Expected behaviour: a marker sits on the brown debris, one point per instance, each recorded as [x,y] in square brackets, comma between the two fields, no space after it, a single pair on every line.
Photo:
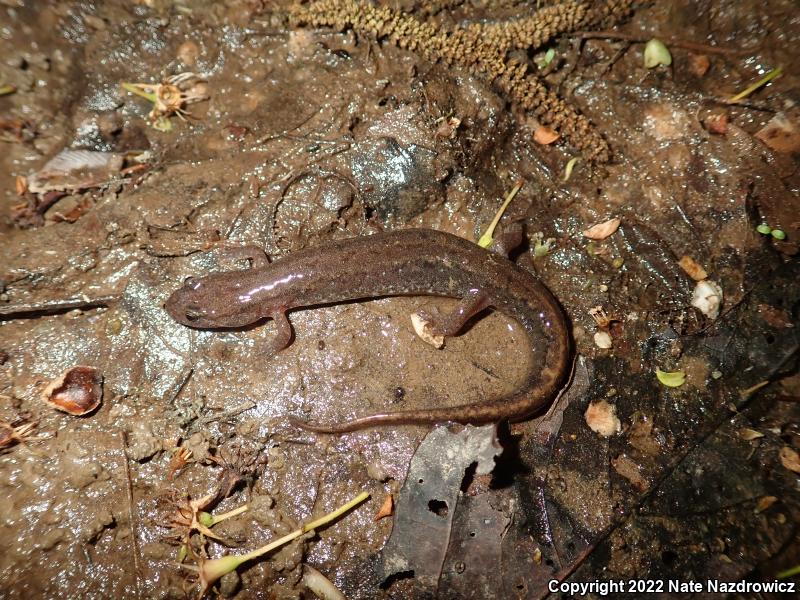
[386,510]
[77,391]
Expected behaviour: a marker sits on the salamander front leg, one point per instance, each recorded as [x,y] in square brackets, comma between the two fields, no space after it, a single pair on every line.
[253,254]
[450,324]
[283,335]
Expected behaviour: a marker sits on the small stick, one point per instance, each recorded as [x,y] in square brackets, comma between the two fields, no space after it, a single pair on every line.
[34,309]
[618,35]
[137,565]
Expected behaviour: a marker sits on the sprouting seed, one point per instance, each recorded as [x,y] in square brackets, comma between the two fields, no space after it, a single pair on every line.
[656,53]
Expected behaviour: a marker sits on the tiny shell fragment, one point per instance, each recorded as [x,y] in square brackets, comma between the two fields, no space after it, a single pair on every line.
[692,268]
[423,330]
[707,298]
[602,230]
[77,391]
[601,417]
[602,339]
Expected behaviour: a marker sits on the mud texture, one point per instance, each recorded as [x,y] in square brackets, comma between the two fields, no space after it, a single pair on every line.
[300,132]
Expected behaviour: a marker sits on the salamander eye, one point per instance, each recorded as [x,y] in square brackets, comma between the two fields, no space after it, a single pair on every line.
[193,313]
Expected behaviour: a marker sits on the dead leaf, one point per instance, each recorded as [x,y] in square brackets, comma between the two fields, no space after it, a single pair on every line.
[387,508]
[629,470]
[699,64]
[545,135]
[765,502]
[602,230]
[601,417]
[748,435]
[692,268]
[75,170]
[641,437]
[790,459]
[717,124]
[775,317]
[21,185]
[781,134]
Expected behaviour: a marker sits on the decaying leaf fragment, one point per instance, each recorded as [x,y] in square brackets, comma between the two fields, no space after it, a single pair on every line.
[692,268]
[790,459]
[71,170]
[781,134]
[428,500]
[545,135]
[601,417]
[602,230]
[387,508]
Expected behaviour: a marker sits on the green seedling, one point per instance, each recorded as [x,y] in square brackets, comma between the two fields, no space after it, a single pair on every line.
[212,569]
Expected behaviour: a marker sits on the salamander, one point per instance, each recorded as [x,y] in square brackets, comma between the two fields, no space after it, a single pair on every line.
[404,262]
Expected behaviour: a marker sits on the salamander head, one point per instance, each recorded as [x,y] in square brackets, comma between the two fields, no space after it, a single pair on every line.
[204,304]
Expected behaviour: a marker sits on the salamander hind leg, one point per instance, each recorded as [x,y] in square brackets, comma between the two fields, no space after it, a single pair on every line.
[451,323]
[508,240]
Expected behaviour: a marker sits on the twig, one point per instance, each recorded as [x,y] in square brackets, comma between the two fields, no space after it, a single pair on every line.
[228,413]
[618,35]
[35,309]
[137,564]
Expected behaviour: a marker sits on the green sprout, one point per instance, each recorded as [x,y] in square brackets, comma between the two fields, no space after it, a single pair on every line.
[545,59]
[212,569]
[541,246]
[760,83]
[486,239]
[765,229]
[671,379]
[656,53]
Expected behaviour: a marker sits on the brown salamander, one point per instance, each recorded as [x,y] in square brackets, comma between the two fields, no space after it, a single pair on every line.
[407,262]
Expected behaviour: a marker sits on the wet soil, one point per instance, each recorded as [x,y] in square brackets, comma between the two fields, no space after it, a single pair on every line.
[310,135]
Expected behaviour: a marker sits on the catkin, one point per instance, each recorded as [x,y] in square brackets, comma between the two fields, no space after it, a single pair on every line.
[482,49]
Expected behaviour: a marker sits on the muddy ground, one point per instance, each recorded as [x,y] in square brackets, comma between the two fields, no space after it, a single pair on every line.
[306,134]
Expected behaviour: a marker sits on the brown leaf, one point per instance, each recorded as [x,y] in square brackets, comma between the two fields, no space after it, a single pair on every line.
[781,134]
[545,135]
[765,502]
[699,64]
[692,268]
[775,317]
[749,435]
[387,508]
[629,470]
[21,185]
[717,123]
[602,230]
[790,459]
[77,391]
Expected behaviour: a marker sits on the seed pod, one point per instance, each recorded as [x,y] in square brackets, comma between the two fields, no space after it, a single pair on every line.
[77,391]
